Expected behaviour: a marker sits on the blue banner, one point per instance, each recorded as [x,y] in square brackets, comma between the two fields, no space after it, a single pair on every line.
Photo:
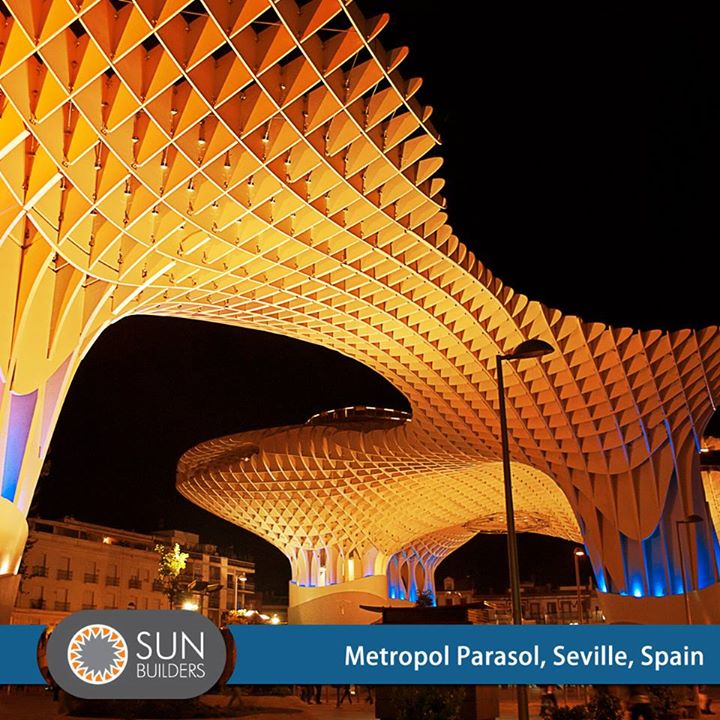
[437,654]
[476,654]
[18,655]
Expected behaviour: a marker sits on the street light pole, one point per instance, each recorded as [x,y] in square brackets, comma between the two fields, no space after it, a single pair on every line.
[527,349]
[243,580]
[578,553]
[689,520]
[509,505]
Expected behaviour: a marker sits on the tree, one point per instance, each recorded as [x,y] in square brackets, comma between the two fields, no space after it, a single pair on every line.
[605,705]
[24,570]
[172,562]
[664,702]
[425,599]
[427,702]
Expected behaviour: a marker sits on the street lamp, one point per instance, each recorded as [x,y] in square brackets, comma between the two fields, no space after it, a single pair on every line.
[203,589]
[577,554]
[528,349]
[243,580]
[689,520]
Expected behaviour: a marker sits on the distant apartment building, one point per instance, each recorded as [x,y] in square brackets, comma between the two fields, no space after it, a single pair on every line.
[71,566]
[541,604]
[270,603]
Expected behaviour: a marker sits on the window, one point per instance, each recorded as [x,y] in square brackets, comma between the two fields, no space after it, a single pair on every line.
[88,601]
[552,608]
[37,597]
[64,572]
[91,573]
[40,570]
[62,600]
[112,578]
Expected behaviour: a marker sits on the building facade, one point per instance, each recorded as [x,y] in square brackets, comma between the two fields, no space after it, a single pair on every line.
[70,566]
[541,604]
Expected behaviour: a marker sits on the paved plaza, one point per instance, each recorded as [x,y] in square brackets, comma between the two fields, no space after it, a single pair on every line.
[35,704]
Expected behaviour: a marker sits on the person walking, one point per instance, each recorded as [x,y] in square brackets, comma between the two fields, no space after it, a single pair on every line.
[704,700]
[345,694]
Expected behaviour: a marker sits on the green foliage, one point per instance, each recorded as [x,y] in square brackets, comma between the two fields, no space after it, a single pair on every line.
[431,702]
[577,712]
[605,706]
[171,564]
[172,560]
[425,599]
[24,569]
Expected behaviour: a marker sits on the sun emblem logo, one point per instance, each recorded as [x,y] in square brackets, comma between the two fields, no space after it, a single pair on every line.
[97,654]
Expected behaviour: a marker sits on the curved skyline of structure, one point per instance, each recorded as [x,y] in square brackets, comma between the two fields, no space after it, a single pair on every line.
[266,165]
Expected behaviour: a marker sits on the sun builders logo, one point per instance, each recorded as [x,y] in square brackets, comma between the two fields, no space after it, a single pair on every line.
[97,654]
[136,654]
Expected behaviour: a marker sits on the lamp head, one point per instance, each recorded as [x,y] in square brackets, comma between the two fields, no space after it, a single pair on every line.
[579,552]
[533,348]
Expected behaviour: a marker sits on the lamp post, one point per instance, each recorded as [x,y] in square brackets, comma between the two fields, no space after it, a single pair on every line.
[525,350]
[243,580]
[689,520]
[577,554]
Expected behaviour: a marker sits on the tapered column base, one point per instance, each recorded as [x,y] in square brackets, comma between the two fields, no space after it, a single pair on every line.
[8,592]
[668,610]
[339,604]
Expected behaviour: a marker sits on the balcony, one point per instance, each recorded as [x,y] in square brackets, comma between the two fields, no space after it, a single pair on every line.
[39,571]
[110,580]
[89,606]
[62,606]
[91,578]
[158,586]
[64,575]
[135,583]
[38,604]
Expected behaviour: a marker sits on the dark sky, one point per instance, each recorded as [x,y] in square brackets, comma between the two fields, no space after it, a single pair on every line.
[582,162]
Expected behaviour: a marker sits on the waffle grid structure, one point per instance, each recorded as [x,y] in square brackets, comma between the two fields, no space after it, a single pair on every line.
[265,164]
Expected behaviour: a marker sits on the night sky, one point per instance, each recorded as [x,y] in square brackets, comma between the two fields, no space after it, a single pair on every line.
[582,160]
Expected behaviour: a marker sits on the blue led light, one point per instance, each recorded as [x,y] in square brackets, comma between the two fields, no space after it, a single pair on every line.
[22,408]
